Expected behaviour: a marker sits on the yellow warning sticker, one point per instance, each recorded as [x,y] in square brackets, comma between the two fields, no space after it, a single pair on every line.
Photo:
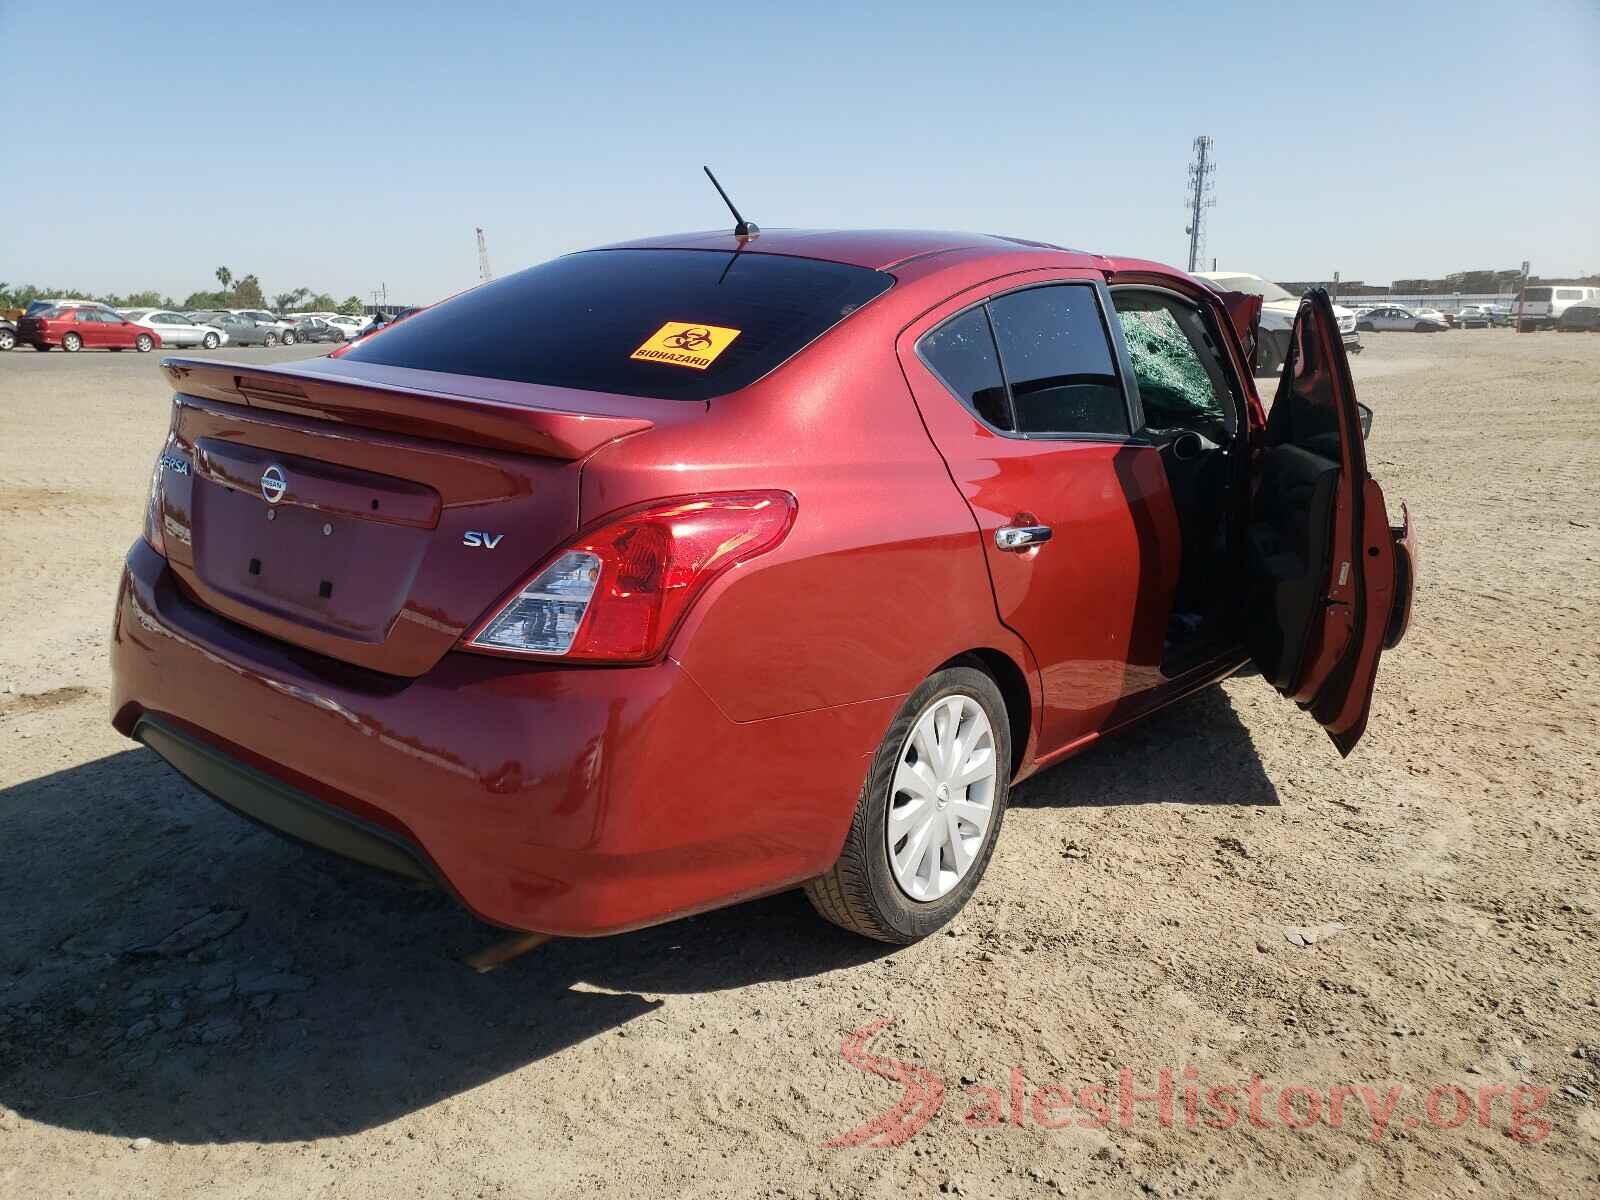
[686,344]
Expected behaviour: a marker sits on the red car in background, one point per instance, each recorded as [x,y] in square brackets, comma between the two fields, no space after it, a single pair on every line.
[85,328]
[670,574]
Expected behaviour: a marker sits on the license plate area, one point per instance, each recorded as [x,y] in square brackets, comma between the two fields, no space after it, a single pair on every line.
[345,576]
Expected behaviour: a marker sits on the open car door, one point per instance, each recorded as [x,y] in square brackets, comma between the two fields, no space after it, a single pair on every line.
[1330,581]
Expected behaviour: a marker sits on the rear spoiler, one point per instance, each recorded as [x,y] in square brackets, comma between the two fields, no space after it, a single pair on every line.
[507,417]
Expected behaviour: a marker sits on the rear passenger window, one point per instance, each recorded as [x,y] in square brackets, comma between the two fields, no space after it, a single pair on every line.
[1057,359]
[961,353]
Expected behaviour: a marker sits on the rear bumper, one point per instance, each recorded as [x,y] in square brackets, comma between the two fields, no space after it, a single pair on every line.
[279,807]
[562,801]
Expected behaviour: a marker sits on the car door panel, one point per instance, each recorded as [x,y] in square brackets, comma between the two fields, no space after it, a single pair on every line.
[1321,558]
[1091,602]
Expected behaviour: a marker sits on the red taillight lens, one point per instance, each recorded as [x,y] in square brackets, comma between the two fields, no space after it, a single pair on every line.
[152,510]
[616,594]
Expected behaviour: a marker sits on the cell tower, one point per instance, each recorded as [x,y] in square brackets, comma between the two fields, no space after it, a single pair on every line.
[1199,197]
[484,273]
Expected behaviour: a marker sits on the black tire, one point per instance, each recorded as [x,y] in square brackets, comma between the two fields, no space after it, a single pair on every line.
[270,341]
[144,343]
[8,340]
[859,893]
[288,337]
[1365,327]
[72,343]
[211,341]
[1526,326]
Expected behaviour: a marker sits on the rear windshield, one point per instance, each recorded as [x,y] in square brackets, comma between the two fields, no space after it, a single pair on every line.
[1537,294]
[681,324]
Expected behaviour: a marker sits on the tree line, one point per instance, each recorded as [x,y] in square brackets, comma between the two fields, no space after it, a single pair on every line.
[232,292]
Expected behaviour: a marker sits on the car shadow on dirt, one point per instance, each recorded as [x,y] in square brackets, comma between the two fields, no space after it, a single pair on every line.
[1196,751]
[168,970]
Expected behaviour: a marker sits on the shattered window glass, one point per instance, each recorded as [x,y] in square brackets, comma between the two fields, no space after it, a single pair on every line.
[1177,388]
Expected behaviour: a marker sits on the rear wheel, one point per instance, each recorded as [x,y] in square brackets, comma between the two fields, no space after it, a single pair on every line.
[288,337]
[271,340]
[144,343]
[929,814]
[211,341]
[72,343]
[8,340]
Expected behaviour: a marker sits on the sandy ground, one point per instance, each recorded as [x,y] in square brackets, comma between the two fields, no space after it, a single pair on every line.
[280,1024]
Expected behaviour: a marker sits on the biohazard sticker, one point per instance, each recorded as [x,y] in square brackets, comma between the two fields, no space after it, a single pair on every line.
[686,344]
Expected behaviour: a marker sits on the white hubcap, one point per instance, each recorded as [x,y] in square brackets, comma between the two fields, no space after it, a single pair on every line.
[942,798]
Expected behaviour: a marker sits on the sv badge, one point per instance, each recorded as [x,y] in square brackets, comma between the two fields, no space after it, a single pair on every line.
[480,540]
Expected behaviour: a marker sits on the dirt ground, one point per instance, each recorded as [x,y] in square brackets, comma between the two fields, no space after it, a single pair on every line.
[277,1023]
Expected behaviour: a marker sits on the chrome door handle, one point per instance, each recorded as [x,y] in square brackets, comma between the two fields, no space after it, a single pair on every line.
[1020,537]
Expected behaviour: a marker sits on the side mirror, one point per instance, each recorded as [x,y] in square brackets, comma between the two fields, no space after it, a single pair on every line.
[1366,420]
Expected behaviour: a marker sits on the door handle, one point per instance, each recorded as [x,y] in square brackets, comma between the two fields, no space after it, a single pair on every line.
[1020,537]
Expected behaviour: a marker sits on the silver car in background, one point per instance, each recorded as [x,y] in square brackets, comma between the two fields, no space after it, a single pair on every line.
[176,329]
[1398,318]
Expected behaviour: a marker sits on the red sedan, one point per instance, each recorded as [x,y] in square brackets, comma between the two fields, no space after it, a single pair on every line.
[85,328]
[670,574]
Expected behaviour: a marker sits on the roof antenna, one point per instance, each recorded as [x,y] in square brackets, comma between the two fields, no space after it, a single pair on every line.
[743,228]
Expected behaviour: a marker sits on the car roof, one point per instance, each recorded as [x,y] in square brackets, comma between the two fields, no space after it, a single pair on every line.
[879,249]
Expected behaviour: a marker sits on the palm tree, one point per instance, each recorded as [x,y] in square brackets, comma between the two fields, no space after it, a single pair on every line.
[224,277]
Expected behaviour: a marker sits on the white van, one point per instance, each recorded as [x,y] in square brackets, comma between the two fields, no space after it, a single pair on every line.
[1542,305]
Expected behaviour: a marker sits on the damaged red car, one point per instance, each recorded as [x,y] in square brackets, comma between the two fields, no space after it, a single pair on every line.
[669,574]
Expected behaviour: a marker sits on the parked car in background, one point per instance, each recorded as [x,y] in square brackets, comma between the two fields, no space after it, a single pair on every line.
[1473,316]
[1541,307]
[176,329]
[545,586]
[1583,317]
[1391,317]
[242,331]
[1278,308]
[319,329]
[261,316]
[86,328]
[1434,315]
[350,326]
[38,306]
[8,334]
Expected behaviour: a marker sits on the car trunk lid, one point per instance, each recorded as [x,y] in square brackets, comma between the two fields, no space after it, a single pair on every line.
[330,506]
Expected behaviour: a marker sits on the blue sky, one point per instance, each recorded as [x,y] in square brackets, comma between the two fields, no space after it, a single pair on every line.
[340,145]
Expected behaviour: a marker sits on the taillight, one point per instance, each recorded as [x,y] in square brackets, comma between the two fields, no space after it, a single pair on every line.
[152,509]
[167,460]
[616,594]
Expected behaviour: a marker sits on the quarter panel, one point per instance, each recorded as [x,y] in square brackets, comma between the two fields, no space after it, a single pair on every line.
[882,576]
